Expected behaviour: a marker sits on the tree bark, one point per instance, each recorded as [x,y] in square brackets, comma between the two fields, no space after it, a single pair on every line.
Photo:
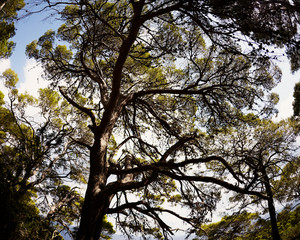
[92,216]
[95,205]
[271,207]
[2,4]
[272,212]
[96,202]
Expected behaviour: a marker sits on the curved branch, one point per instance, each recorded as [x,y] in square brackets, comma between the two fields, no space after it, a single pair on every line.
[123,55]
[118,186]
[152,214]
[134,205]
[81,143]
[106,23]
[124,206]
[208,159]
[126,140]
[162,11]
[219,182]
[157,168]
[81,108]
[163,123]
[173,165]
[173,148]
[186,91]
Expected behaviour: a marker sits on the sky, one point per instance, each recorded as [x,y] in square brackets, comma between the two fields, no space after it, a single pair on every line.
[30,72]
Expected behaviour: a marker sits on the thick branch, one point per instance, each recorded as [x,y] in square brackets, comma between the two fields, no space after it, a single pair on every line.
[173,148]
[208,159]
[135,204]
[219,182]
[185,91]
[157,168]
[162,11]
[118,186]
[173,165]
[81,143]
[123,54]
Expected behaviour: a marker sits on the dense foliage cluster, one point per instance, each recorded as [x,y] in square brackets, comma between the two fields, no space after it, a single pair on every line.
[251,226]
[8,13]
[35,159]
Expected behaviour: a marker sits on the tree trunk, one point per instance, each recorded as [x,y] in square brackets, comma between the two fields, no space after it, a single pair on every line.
[92,215]
[271,208]
[272,212]
[95,203]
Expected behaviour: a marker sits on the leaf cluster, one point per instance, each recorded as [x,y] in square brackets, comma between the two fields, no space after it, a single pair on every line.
[247,225]
[8,14]
[35,159]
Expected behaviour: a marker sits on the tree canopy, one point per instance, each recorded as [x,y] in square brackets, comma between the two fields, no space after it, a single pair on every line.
[8,14]
[167,103]
[28,169]
[251,226]
[296,103]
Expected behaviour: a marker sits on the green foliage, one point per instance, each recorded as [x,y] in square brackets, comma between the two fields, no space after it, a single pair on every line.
[20,217]
[34,157]
[287,187]
[167,102]
[108,229]
[289,223]
[296,103]
[10,78]
[8,14]
[231,227]
[267,163]
[250,226]
[273,25]
[1,98]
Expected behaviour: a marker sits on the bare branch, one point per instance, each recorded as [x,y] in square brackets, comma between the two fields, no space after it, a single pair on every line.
[114,187]
[81,108]
[173,148]
[78,141]
[219,182]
